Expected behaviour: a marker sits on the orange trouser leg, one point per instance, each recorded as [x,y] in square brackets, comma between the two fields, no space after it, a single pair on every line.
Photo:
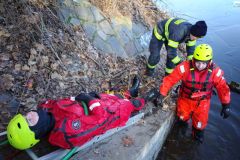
[184,108]
[200,114]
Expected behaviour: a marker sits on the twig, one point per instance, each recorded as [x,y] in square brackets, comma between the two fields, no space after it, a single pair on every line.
[52,13]
[47,86]
[165,98]
[102,70]
[152,81]
[56,54]
[120,73]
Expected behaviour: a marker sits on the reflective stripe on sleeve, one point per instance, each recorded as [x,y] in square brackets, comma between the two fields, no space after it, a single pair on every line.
[179,21]
[182,69]
[191,43]
[176,60]
[167,26]
[157,35]
[72,98]
[172,43]
[96,104]
[168,70]
[219,72]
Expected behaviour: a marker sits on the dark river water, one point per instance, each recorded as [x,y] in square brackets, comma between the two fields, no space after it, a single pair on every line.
[222,137]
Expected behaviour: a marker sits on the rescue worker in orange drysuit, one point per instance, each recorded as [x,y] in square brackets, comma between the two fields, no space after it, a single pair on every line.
[198,77]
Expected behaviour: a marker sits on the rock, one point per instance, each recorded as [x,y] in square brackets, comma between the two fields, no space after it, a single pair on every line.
[40,90]
[54,66]
[4,57]
[55,75]
[17,67]
[6,82]
[33,51]
[4,33]
[13,106]
[30,103]
[25,68]
[15,56]
[10,47]
[40,47]
[45,59]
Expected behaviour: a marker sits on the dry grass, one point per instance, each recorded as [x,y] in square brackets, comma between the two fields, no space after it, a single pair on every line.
[139,10]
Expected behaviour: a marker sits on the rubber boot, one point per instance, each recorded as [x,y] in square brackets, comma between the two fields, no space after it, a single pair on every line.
[183,126]
[198,135]
[149,71]
[151,95]
[135,86]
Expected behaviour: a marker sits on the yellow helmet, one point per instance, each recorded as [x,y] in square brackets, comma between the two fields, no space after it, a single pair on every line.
[203,52]
[19,134]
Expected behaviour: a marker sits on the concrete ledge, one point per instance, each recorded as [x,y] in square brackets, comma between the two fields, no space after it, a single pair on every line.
[148,137]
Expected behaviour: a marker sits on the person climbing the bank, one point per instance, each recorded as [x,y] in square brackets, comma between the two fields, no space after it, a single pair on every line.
[67,123]
[198,77]
[172,32]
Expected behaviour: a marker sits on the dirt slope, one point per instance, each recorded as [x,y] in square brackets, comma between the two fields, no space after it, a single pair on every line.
[42,58]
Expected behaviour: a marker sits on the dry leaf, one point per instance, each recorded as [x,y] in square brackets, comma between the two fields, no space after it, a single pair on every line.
[39,47]
[127,141]
[4,34]
[29,84]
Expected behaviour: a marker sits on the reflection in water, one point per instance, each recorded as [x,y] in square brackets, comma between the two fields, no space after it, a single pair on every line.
[222,137]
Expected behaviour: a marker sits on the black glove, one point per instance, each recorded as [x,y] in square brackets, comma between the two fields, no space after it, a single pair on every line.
[160,100]
[151,95]
[225,112]
[84,97]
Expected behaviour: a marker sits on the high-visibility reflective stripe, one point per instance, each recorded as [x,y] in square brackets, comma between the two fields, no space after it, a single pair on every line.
[157,35]
[199,125]
[150,66]
[96,104]
[172,43]
[182,69]
[167,26]
[191,43]
[168,70]
[219,72]
[179,21]
[176,60]
[190,57]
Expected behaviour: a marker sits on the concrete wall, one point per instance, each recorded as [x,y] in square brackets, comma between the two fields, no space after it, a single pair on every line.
[118,35]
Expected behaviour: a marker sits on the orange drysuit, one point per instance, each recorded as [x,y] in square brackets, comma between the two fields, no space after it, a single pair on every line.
[196,91]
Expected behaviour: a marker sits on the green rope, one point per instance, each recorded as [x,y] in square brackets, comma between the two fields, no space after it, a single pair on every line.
[85,108]
[72,151]
[69,154]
